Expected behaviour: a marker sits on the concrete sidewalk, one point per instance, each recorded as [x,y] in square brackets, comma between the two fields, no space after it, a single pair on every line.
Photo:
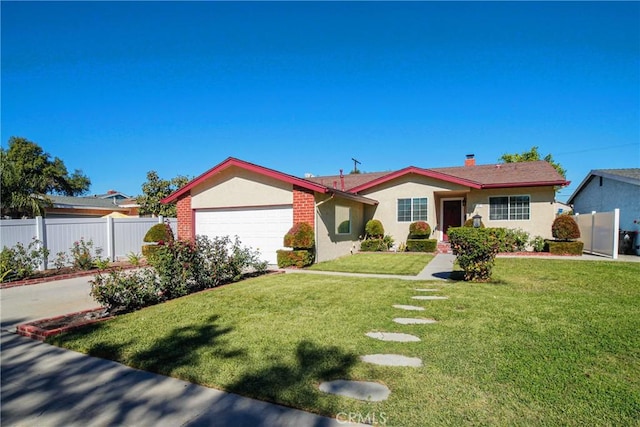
[44,385]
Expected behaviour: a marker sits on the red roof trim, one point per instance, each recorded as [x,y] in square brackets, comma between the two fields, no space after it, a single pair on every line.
[423,172]
[232,161]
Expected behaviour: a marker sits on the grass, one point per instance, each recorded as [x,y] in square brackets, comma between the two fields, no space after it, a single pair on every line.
[408,264]
[549,342]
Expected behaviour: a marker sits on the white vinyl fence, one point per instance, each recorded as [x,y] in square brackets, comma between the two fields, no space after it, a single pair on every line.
[599,232]
[117,237]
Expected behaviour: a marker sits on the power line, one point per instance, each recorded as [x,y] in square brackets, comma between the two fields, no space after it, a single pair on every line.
[597,149]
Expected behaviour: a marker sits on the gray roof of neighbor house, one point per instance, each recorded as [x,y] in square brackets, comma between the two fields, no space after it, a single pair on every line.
[500,175]
[82,202]
[628,175]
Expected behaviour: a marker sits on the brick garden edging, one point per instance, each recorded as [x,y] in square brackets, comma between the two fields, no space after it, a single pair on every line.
[53,278]
[33,331]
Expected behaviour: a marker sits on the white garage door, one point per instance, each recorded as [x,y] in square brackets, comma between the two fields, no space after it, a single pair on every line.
[262,228]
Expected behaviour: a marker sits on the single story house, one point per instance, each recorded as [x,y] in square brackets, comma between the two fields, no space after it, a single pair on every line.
[604,190]
[96,206]
[259,204]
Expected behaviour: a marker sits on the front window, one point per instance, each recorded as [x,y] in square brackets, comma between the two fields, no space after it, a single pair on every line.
[509,208]
[411,210]
[343,220]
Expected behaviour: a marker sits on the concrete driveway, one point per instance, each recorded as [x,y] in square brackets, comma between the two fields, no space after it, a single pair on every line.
[26,303]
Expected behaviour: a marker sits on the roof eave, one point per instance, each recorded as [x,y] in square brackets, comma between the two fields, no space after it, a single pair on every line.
[231,161]
[527,184]
[354,197]
[418,171]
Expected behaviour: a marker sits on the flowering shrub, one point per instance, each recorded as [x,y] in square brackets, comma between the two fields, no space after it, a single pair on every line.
[300,236]
[19,262]
[419,230]
[82,258]
[179,268]
[300,258]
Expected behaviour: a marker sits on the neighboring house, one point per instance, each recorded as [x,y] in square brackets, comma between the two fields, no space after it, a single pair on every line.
[95,206]
[259,204]
[604,190]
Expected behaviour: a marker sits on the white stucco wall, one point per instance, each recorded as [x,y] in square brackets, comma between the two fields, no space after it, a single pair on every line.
[239,187]
[542,209]
[611,195]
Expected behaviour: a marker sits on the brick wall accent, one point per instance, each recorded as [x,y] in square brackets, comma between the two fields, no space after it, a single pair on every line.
[186,216]
[304,206]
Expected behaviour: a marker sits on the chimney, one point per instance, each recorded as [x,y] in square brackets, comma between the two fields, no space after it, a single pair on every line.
[111,192]
[341,181]
[470,160]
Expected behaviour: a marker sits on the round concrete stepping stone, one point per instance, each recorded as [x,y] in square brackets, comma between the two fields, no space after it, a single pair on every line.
[426,290]
[392,336]
[429,297]
[362,390]
[408,307]
[392,360]
[412,321]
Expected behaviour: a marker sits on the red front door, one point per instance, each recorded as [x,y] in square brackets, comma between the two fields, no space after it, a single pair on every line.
[451,216]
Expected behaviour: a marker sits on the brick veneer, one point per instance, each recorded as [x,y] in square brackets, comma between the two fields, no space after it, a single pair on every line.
[186,226]
[303,206]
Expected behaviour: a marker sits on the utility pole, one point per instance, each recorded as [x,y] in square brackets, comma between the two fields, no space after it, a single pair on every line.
[355,165]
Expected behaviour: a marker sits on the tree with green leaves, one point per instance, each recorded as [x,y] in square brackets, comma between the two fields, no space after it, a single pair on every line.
[29,174]
[156,189]
[532,156]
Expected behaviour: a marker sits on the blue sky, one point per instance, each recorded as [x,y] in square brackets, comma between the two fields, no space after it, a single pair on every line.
[120,88]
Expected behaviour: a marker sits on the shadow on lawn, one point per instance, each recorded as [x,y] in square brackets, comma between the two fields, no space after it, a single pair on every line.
[174,350]
[297,383]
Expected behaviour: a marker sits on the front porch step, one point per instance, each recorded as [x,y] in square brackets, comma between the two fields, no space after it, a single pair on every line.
[444,248]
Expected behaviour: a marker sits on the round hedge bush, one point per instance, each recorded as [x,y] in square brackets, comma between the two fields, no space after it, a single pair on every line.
[374,228]
[300,236]
[159,233]
[565,228]
[419,230]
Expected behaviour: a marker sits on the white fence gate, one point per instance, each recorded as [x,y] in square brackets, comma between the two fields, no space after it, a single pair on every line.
[599,232]
[116,236]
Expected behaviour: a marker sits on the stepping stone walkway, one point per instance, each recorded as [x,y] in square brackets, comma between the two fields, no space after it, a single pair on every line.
[392,336]
[392,360]
[361,390]
[413,321]
[408,307]
[372,391]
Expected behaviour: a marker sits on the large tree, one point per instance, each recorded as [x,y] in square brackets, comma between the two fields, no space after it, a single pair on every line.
[532,156]
[156,189]
[29,174]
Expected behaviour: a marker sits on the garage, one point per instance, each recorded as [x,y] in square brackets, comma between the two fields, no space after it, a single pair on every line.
[260,228]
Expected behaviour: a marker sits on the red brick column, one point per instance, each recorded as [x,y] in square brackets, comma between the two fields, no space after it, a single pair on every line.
[304,206]
[186,218]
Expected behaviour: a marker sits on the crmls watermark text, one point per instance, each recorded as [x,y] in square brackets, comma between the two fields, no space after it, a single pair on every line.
[373,418]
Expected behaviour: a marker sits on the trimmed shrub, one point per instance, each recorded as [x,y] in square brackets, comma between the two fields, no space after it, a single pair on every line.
[419,230]
[565,228]
[373,245]
[296,258]
[565,248]
[374,229]
[475,250]
[159,233]
[422,245]
[469,223]
[300,236]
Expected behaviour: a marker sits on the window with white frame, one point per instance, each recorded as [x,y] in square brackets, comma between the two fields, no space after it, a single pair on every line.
[509,208]
[412,209]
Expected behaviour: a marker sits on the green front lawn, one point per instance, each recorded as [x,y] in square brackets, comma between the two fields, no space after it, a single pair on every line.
[406,264]
[550,342]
